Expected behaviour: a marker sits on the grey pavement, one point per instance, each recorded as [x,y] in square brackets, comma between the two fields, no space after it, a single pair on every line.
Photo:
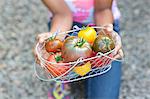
[22,20]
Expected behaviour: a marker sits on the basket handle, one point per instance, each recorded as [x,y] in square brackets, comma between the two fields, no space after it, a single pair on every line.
[36,74]
[105,55]
[75,27]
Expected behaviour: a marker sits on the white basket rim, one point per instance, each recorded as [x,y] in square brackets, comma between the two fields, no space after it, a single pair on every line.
[99,54]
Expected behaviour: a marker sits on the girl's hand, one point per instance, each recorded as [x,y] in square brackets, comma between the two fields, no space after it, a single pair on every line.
[43,36]
[40,39]
[118,52]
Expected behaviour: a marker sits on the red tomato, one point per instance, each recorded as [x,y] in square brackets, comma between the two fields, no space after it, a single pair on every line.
[53,45]
[56,69]
[102,61]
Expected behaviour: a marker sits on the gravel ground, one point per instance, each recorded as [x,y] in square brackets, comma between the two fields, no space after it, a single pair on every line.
[22,20]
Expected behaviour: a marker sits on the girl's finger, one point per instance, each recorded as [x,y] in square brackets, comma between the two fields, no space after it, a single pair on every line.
[42,37]
[117,40]
[37,60]
[117,48]
[109,27]
[35,55]
[119,55]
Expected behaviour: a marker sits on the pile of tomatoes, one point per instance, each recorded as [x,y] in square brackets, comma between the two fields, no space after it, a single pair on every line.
[86,44]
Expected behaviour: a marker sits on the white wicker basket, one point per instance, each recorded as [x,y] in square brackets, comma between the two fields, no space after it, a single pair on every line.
[48,71]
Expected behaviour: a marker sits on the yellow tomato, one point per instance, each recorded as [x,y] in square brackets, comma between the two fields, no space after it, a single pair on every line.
[89,34]
[83,69]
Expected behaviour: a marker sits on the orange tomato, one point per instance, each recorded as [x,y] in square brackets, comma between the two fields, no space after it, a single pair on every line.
[53,45]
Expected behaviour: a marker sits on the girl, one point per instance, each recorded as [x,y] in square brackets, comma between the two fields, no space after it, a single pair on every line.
[66,13]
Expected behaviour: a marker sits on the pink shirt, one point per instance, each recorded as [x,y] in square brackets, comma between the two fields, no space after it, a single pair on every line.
[83,10]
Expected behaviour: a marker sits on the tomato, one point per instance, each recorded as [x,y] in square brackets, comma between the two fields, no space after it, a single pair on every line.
[83,69]
[89,34]
[103,43]
[56,58]
[101,61]
[74,48]
[56,69]
[53,45]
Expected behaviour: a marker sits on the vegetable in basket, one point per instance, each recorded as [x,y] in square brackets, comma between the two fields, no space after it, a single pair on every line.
[74,48]
[103,43]
[83,69]
[101,61]
[88,33]
[53,45]
[56,69]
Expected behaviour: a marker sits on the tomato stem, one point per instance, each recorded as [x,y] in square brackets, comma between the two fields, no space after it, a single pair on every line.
[83,28]
[81,42]
[51,38]
[107,43]
[58,58]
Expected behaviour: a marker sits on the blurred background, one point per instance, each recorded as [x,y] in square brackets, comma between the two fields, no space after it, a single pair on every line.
[22,20]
